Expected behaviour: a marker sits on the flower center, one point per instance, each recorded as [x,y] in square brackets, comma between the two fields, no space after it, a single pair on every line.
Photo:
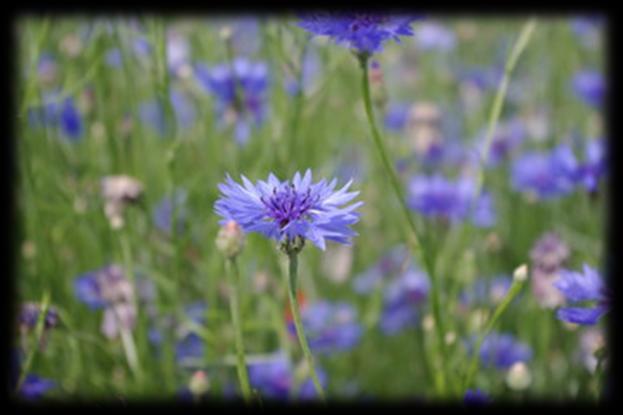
[286,204]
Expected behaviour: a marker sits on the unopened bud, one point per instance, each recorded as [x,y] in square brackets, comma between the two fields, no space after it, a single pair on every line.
[199,383]
[518,376]
[230,239]
[428,322]
[521,273]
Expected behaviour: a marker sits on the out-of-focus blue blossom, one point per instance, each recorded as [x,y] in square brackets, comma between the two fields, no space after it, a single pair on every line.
[390,266]
[153,113]
[363,32]
[588,29]
[594,165]
[62,115]
[287,210]
[396,116]
[590,86]
[240,89]
[163,213]
[108,288]
[34,387]
[178,51]
[114,58]
[436,196]
[541,174]
[402,299]
[47,68]
[432,36]
[507,138]
[274,379]
[475,397]
[483,78]
[501,350]
[190,346]
[310,67]
[486,291]
[329,327]
[579,287]
[29,315]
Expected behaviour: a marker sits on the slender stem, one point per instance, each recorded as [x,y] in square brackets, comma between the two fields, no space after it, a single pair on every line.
[300,332]
[412,239]
[512,293]
[234,308]
[43,310]
[496,110]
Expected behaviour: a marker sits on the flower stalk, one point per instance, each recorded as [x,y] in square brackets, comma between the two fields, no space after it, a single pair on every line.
[300,331]
[412,239]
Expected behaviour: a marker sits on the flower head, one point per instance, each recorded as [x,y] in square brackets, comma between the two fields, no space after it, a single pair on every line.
[502,350]
[240,92]
[286,210]
[364,32]
[579,287]
[402,299]
[590,86]
[544,175]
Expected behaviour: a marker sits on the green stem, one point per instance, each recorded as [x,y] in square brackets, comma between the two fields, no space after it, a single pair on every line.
[512,293]
[413,241]
[234,308]
[45,301]
[300,332]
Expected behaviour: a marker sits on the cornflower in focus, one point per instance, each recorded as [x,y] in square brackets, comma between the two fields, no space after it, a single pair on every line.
[579,287]
[118,192]
[364,32]
[240,88]
[288,211]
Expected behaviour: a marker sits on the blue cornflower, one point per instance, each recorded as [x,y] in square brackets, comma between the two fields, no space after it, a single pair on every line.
[190,346]
[240,90]
[163,213]
[590,86]
[436,196]
[364,32]
[285,211]
[34,387]
[63,115]
[580,287]
[153,113]
[545,175]
[475,397]
[402,299]
[508,137]
[396,116]
[274,379]
[594,165]
[502,350]
[330,327]
[29,315]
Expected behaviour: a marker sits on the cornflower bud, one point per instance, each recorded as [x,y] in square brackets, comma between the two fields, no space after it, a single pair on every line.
[230,239]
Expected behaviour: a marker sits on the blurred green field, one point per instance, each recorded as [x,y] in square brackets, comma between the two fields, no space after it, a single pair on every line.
[64,232]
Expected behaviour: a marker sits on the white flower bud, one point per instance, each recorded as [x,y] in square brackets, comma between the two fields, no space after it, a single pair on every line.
[521,273]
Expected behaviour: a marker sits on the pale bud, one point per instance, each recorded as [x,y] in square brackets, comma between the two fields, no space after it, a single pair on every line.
[199,383]
[518,376]
[230,239]
[428,322]
[521,273]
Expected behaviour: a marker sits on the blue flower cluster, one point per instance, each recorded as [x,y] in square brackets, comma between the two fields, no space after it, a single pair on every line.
[580,287]
[275,379]
[329,327]
[402,299]
[240,90]
[552,174]
[435,196]
[58,113]
[501,350]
